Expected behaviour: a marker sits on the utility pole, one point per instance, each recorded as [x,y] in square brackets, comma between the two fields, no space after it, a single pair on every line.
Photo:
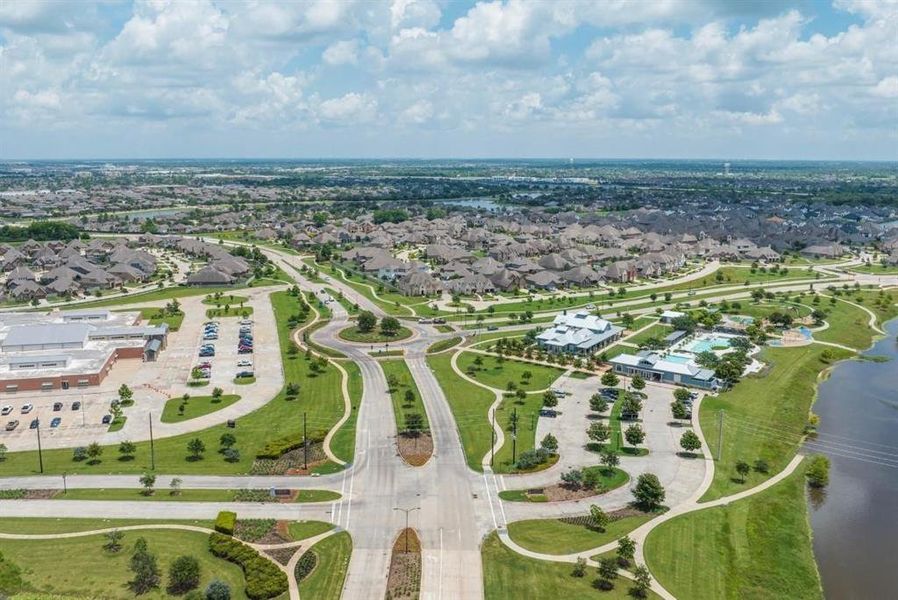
[514,436]
[305,444]
[40,454]
[406,511]
[719,432]
[65,490]
[152,446]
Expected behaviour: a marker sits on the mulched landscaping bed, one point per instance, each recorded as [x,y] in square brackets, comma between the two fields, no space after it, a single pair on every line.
[260,531]
[404,581]
[415,451]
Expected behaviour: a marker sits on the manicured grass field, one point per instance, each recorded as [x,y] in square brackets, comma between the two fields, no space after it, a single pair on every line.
[196,406]
[343,442]
[848,324]
[443,345]
[154,295]
[655,331]
[554,536]
[38,525]
[319,396]
[469,404]
[528,414]
[156,316]
[80,566]
[507,574]
[186,495]
[764,416]
[401,409]
[607,482]
[232,311]
[232,299]
[326,581]
[375,336]
[498,372]
[759,547]
[301,530]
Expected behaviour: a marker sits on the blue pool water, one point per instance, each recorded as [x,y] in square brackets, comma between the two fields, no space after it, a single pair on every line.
[707,344]
[677,358]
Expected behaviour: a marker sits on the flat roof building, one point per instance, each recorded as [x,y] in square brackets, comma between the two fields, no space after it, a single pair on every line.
[578,333]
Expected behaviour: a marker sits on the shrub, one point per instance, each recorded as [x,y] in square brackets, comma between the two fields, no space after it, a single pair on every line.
[305,565]
[274,449]
[263,579]
[79,454]
[225,522]
[218,590]
[532,458]
[183,575]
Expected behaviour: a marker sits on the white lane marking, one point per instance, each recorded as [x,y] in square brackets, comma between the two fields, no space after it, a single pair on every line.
[501,507]
[440,593]
[490,500]
[349,500]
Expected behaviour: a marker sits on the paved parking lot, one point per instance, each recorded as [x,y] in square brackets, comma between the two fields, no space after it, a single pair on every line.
[155,382]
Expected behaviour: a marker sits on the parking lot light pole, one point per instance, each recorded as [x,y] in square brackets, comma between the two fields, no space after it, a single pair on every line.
[40,455]
[152,447]
[406,511]
[65,490]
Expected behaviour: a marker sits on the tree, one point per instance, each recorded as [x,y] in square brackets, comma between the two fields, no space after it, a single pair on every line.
[550,400]
[626,550]
[196,447]
[743,468]
[579,567]
[637,382]
[689,441]
[572,478]
[599,432]
[3,450]
[94,452]
[113,540]
[681,394]
[79,453]
[609,460]
[598,517]
[183,575]
[630,407]
[125,395]
[609,379]
[642,582]
[679,410]
[146,570]
[817,472]
[649,492]
[127,449]
[761,466]
[549,443]
[389,326]
[409,397]
[231,455]
[607,573]
[367,321]
[634,435]
[227,440]
[148,480]
[414,423]
[218,590]
[217,393]
[175,486]
[597,403]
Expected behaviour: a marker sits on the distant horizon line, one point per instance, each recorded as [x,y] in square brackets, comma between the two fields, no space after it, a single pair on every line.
[447,158]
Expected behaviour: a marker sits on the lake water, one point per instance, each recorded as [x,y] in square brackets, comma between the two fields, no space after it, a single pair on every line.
[485,203]
[856,522]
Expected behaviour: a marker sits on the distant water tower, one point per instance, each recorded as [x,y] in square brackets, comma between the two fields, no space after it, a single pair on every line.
[726,169]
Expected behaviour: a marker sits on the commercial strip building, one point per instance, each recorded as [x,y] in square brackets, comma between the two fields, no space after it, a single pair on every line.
[63,350]
[578,333]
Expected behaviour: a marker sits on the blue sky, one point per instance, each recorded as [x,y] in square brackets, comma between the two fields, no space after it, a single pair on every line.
[438,78]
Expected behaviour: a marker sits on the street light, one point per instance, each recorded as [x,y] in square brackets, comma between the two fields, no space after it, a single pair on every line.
[406,511]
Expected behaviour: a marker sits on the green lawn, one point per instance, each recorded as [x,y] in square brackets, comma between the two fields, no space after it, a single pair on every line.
[876,269]
[319,397]
[399,370]
[224,299]
[375,336]
[156,316]
[764,416]
[232,311]
[443,345]
[759,547]
[554,536]
[168,293]
[469,404]
[36,525]
[326,581]
[186,495]
[498,372]
[343,442]
[196,406]
[507,574]
[607,482]
[848,325]
[528,414]
[655,331]
[301,530]
[89,571]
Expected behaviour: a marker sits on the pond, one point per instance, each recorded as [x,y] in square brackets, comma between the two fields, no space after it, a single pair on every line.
[856,522]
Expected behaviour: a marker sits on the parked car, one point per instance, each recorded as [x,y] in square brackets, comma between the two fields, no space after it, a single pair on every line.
[610,393]
[548,412]
[34,424]
[27,408]
[12,425]
[492,328]
[57,406]
[245,374]
[244,363]
[6,410]
[55,422]
[76,405]
[107,419]
[246,321]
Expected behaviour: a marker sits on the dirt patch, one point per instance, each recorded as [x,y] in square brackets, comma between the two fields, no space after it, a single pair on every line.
[291,463]
[281,555]
[561,493]
[41,494]
[415,451]
[404,581]
[260,531]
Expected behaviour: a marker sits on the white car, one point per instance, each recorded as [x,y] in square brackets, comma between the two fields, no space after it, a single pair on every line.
[6,410]
[27,409]
[244,363]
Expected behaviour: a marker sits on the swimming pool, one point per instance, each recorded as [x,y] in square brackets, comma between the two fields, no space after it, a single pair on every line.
[677,358]
[707,344]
